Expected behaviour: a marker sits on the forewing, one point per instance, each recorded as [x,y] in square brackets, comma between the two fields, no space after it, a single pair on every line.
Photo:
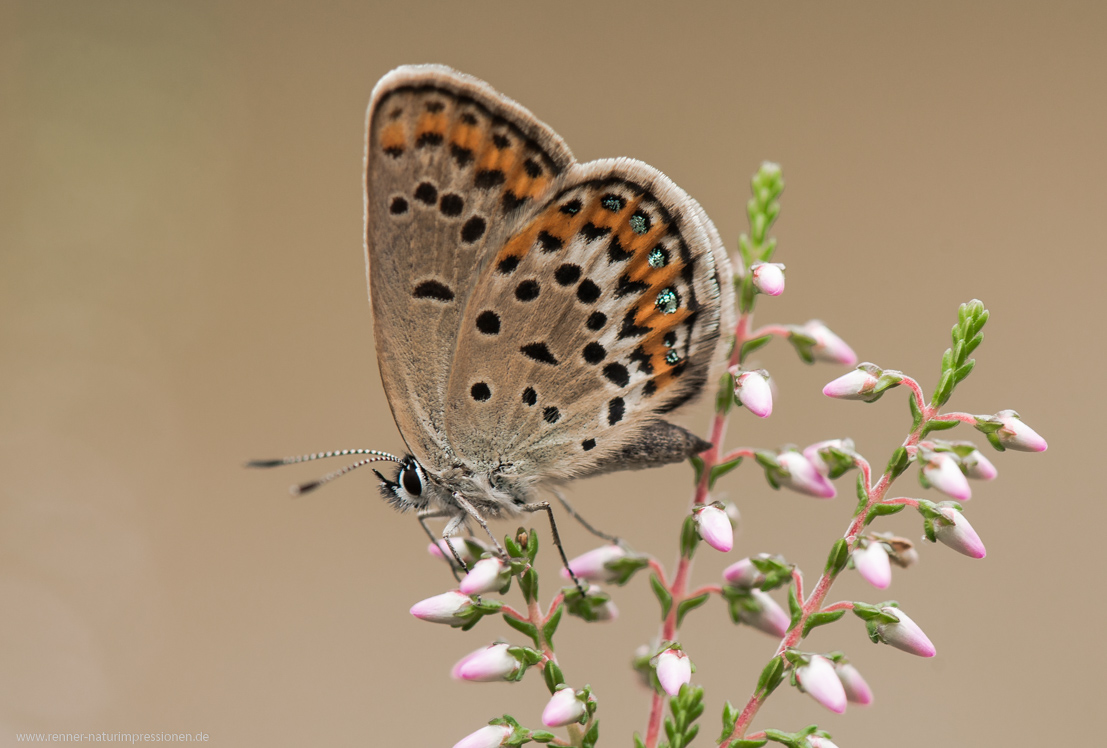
[601,312]
[451,168]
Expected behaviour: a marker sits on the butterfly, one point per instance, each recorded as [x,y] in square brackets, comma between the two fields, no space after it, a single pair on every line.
[535,318]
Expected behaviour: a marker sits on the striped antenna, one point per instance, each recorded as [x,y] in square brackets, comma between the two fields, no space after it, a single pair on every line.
[323,455]
[312,485]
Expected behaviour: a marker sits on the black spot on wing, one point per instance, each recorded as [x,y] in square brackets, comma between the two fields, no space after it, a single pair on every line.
[480,392]
[551,415]
[530,397]
[588,291]
[463,156]
[616,409]
[596,321]
[432,289]
[488,178]
[617,374]
[591,231]
[488,322]
[549,242]
[428,140]
[594,353]
[539,352]
[473,230]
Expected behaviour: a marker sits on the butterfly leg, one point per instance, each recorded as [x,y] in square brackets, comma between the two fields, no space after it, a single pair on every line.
[426,514]
[544,506]
[573,513]
[451,528]
[472,512]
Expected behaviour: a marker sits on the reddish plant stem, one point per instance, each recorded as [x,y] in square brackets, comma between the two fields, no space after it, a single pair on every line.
[743,452]
[814,602]
[684,566]
[707,589]
[844,605]
[962,417]
[902,500]
[778,330]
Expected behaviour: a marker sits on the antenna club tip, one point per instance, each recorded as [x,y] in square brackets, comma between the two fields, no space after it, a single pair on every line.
[263,463]
[299,490]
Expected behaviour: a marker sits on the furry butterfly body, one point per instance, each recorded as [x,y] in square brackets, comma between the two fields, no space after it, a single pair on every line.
[534,317]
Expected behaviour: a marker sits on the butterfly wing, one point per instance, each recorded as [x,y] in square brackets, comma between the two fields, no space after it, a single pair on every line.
[598,314]
[451,167]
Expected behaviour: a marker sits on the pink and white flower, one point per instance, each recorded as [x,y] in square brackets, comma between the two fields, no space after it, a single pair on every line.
[1017,435]
[444,608]
[873,564]
[488,664]
[905,635]
[857,690]
[803,477]
[853,385]
[714,527]
[592,566]
[768,615]
[812,452]
[753,391]
[441,549]
[818,679]
[814,741]
[957,533]
[487,575]
[978,467]
[768,278]
[943,473]
[674,669]
[490,736]
[828,346]
[563,708]
[743,573]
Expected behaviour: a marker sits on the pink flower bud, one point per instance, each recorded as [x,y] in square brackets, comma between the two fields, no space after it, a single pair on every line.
[487,575]
[674,669]
[958,534]
[440,549]
[821,683]
[491,736]
[814,741]
[591,566]
[828,346]
[753,391]
[812,452]
[768,278]
[563,708]
[978,467]
[873,565]
[442,608]
[743,574]
[905,635]
[857,690]
[803,477]
[769,616]
[485,665]
[607,611]
[714,527]
[942,472]
[1017,435]
[854,385]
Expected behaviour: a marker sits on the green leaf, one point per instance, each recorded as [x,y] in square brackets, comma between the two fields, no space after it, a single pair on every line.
[541,736]
[590,737]
[770,676]
[804,345]
[916,414]
[881,510]
[821,619]
[730,718]
[528,585]
[626,567]
[898,463]
[689,537]
[532,549]
[722,469]
[523,627]
[839,556]
[794,605]
[688,605]
[754,344]
[697,465]
[724,398]
[932,426]
[638,742]
[550,628]
[944,389]
[552,675]
[662,594]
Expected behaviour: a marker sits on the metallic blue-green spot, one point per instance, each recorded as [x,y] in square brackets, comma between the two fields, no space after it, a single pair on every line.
[658,257]
[667,301]
[638,224]
[672,358]
[614,203]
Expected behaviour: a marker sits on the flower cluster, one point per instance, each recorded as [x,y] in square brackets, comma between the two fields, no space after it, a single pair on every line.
[762,591]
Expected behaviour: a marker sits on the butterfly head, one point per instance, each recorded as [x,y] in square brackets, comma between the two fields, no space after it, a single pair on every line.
[412,488]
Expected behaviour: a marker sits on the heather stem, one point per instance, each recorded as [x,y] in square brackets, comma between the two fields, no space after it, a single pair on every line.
[813,603]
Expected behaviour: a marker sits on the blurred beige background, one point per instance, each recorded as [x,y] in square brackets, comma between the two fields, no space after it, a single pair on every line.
[182,288]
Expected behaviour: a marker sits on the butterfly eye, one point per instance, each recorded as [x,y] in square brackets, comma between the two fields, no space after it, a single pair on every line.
[409,479]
